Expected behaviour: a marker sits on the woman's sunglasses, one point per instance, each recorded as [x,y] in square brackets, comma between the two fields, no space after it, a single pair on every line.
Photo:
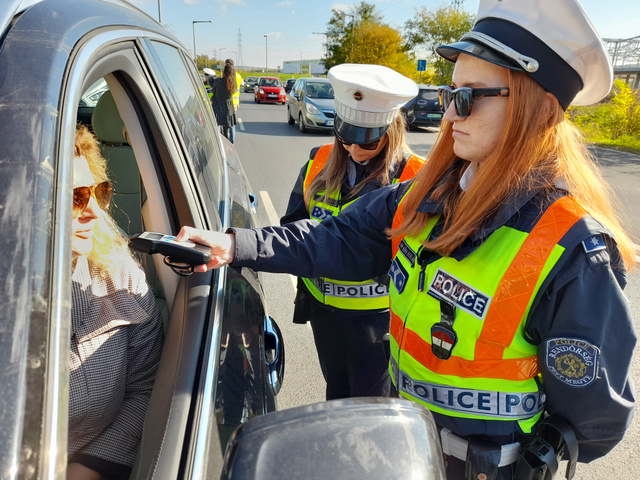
[364,146]
[463,97]
[82,196]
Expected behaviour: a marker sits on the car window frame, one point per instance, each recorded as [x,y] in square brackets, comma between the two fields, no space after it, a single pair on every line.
[187,186]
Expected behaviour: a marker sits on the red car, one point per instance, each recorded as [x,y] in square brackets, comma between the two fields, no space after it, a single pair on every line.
[269,89]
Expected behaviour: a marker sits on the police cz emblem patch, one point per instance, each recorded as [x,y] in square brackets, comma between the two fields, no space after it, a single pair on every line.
[446,286]
[321,213]
[572,361]
[398,275]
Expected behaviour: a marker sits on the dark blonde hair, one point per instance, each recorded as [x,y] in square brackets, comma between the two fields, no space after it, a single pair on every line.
[330,178]
[536,144]
[110,250]
[229,77]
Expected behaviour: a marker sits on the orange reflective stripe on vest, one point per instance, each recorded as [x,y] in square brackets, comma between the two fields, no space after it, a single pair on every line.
[411,168]
[398,218]
[518,283]
[319,161]
[518,369]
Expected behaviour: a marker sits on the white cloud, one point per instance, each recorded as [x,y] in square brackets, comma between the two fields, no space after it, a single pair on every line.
[274,34]
[285,4]
[343,7]
[234,2]
[190,2]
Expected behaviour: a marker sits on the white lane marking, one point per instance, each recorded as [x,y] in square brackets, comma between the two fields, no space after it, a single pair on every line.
[637,247]
[241,124]
[274,219]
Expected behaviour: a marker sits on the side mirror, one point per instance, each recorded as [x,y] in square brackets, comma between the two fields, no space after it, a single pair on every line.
[354,438]
[297,95]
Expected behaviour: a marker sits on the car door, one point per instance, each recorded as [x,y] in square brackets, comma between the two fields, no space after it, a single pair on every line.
[182,169]
[294,95]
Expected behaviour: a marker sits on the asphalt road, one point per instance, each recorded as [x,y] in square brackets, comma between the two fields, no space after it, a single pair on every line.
[273,152]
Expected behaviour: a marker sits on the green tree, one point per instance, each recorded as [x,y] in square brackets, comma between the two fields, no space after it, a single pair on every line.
[382,45]
[341,33]
[614,121]
[428,29]
[363,37]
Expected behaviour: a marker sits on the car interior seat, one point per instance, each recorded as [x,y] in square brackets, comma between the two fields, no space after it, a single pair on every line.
[123,169]
[128,193]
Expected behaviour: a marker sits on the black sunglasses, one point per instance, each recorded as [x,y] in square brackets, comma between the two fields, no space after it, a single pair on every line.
[463,97]
[82,195]
[364,146]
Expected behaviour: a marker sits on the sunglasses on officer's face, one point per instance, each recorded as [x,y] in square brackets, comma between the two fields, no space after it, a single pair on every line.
[82,196]
[364,146]
[462,97]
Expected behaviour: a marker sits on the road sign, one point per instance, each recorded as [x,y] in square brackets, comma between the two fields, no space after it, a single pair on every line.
[422,65]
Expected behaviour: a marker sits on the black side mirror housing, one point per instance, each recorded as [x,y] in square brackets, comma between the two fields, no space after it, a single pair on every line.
[355,438]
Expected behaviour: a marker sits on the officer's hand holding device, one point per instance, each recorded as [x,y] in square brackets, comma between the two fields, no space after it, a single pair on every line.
[182,257]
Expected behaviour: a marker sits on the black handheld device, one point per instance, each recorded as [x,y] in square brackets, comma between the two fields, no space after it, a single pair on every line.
[188,253]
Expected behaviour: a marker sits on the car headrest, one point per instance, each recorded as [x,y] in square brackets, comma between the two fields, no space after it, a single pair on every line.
[106,121]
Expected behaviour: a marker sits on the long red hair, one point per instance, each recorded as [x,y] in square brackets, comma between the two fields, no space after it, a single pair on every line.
[537,144]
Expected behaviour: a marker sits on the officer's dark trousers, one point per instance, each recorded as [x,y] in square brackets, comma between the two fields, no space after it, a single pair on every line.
[351,353]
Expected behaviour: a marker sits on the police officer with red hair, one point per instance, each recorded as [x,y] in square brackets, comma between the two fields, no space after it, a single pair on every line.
[507,258]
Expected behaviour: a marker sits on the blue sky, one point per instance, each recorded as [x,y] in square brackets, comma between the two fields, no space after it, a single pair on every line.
[290,24]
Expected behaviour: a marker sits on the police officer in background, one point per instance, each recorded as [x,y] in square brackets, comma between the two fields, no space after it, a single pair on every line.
[350,319]
[209,77]
[508,261]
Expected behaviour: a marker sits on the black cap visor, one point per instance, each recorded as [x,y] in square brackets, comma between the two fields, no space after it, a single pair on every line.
[348,133]
[453,50]
[553,72]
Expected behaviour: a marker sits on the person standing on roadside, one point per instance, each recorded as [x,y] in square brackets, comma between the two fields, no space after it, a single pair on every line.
[236,94]
[223,90]
[350,319]
[507,256]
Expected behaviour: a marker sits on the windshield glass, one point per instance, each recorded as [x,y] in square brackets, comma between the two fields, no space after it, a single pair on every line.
[319,90]
[269,82]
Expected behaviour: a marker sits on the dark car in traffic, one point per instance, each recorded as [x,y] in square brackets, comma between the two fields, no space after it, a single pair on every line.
[289,84]
[108,65]
[424,110]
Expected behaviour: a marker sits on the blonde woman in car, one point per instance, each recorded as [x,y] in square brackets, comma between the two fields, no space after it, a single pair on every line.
[116,330]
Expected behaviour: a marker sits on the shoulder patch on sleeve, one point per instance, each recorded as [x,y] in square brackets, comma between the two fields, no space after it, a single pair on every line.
[595,243]
[572,361]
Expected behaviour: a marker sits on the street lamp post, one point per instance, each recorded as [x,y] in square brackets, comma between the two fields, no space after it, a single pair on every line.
[193,27]
[266,51]
[160,11]
[220,53]
[236,58]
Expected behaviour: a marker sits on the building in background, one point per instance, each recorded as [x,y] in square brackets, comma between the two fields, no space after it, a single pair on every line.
[304,67]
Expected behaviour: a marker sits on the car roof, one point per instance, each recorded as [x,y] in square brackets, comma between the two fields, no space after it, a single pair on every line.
[13,8]
[317,79]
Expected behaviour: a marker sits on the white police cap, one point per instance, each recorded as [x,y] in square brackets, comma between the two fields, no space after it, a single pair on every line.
[367,99]
[553,41]
[209,72]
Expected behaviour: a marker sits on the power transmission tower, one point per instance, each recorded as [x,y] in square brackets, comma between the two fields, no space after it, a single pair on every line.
[239,60]
[457,4]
